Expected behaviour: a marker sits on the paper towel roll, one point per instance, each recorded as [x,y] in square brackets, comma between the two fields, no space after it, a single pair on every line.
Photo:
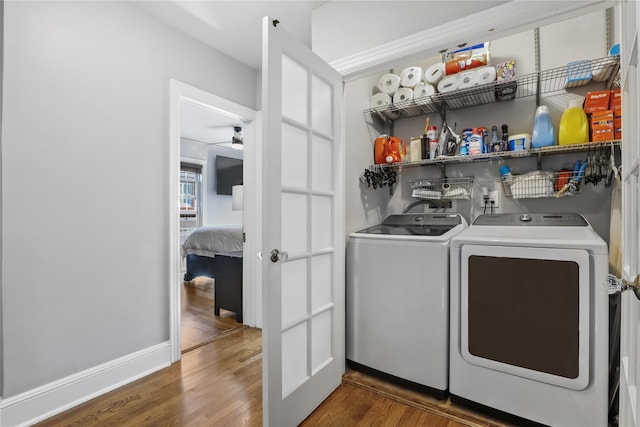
[467,79]
[403,94]
[389,83]
[380,100]
[422,90]
[410,77]
[433,74]
[485,75]
[448,84]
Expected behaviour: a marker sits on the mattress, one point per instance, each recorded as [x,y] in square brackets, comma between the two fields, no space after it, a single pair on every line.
[214,240]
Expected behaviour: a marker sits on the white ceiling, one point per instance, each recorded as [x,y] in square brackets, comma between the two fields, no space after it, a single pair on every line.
[203,124]
[235,29]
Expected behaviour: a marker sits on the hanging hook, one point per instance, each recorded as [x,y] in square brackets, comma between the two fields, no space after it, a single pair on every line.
[613,169]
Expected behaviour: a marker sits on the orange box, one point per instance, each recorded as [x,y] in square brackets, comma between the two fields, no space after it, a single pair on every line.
[617,127]
[597,101]
[615,103]
[602,127]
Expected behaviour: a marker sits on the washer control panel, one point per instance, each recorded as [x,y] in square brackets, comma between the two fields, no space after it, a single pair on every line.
[533,220]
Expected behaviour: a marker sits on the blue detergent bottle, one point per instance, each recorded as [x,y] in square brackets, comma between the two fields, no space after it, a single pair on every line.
[543,134]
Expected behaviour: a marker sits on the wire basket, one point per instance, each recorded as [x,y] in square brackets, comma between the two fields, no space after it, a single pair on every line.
[442,188]
[548,81]
[543,184]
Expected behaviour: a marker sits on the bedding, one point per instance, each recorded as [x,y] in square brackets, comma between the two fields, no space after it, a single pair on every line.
[214,240]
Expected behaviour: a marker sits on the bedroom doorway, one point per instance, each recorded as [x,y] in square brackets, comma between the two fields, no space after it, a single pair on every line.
[201,128]
[198,323]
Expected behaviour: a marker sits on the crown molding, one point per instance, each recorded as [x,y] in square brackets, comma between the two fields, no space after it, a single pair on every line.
[509,18]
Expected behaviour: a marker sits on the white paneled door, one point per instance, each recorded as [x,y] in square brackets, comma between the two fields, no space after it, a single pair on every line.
[303,229]
[630,305]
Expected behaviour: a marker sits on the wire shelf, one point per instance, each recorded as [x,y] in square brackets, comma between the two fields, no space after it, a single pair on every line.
[543,184]
[503,155]
[442,188]
[552,80]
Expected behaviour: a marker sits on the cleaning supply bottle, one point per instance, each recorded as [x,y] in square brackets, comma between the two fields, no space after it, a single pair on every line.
[506,177]
[543,134]
[505,136]
[574,126]
[476,142]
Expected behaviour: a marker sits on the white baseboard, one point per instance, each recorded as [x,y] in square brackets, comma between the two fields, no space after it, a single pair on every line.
[50,399]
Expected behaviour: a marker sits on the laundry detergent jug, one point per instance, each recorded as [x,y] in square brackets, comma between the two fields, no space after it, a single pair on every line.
[389,149]
[574,126]
[543,134]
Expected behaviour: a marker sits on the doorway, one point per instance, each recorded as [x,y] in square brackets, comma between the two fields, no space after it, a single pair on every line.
[198,151]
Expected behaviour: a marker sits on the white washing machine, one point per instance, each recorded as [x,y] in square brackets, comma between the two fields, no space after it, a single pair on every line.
[398,297]
[530,318]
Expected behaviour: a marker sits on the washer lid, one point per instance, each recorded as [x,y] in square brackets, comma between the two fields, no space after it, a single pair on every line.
[417,224]
[533,220]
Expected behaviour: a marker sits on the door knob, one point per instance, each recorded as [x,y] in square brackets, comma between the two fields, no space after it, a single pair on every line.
[614,286]
[277,255]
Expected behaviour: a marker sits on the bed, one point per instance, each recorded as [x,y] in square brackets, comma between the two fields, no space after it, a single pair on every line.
[216,252]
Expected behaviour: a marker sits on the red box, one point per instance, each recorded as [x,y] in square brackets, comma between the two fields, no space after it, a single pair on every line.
[617,127]
[602,126]
[615,103]
[597,101]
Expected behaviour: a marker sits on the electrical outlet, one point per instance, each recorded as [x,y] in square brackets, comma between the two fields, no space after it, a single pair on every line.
[494,196]
[444,204]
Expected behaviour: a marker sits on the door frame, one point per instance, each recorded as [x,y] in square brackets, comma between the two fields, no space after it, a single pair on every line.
[177,92]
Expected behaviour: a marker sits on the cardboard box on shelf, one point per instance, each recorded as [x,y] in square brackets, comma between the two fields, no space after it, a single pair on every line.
[617,127]
[616,102]
[597,101]
[602,127]
[506,71]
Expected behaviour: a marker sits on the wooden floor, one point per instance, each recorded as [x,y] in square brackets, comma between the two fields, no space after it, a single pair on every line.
[198,324]
[218,382]
[363,400]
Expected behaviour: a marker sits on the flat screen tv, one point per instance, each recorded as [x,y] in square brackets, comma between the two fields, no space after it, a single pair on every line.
[228,174]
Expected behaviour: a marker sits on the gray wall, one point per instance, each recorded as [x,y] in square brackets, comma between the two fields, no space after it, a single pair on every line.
[85,180]
[582,38]
[219,205]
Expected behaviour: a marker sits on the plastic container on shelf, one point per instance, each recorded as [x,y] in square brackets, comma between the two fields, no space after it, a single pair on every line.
[574,126]
[519,142]
[543,133]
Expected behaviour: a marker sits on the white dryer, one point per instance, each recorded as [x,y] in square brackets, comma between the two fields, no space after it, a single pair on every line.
[398,298]
[529,318]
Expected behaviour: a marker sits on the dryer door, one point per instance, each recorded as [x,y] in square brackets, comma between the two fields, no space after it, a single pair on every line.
[525,311]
